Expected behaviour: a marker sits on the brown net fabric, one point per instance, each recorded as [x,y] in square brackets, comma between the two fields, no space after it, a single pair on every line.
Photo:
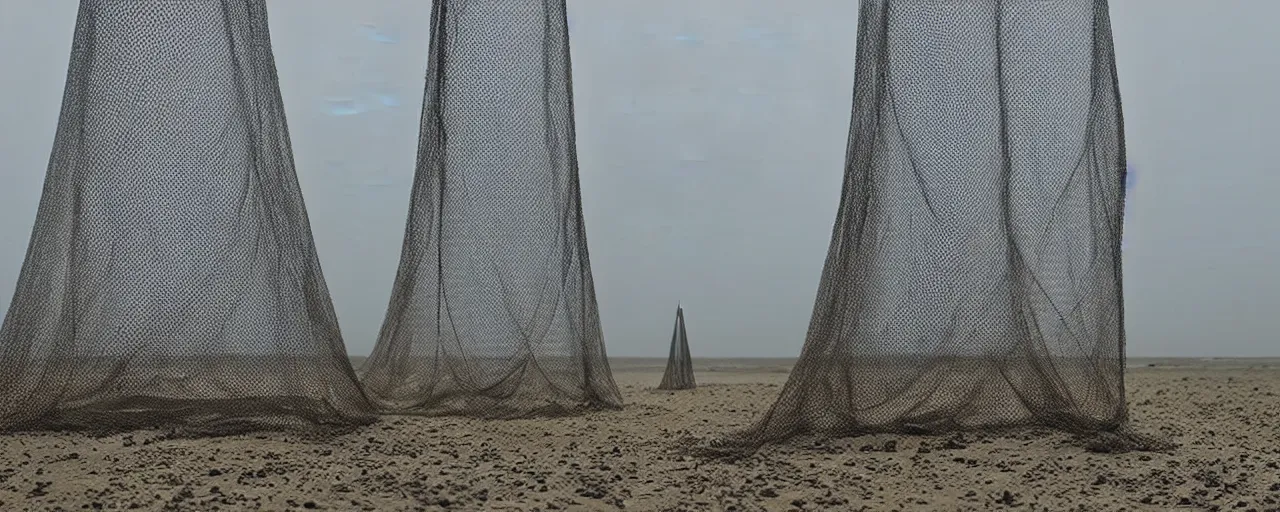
[973,279]
[171,278]
[679,374]
[493,312]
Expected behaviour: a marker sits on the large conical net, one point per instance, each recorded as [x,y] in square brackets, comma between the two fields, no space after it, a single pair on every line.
[973,278]
[171,278]
[493,312]
[679,374]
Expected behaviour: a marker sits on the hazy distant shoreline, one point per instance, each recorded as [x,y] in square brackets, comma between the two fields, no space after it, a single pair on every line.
[785,363]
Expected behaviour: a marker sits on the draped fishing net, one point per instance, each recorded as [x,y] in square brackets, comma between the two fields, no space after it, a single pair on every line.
[973,279]
[493,312]
[171,278]
[679,374]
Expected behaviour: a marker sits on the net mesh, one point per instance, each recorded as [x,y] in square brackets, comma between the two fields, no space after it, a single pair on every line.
[973,279]
[679,374]
[493,312]
[171,278]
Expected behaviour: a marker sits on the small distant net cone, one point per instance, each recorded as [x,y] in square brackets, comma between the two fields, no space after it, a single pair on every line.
[973,279]
[493,312]
[171,278]
[679,374]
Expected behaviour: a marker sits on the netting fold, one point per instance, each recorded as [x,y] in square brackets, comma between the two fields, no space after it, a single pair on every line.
[679,373]
[973,279]
[171,278]
[493,312]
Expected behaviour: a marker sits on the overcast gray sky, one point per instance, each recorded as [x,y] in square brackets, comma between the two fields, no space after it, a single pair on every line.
[711,138]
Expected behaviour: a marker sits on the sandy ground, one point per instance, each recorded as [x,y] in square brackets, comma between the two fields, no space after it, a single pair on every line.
[1222,413]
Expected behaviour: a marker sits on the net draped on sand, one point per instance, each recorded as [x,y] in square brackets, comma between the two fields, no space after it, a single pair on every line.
[679,373]
[493,311]
[171,277]
[973,278]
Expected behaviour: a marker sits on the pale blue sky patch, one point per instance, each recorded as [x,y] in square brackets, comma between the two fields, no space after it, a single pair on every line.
[387,100]
[344,107]
[689,39]
[763,37]
[377,35]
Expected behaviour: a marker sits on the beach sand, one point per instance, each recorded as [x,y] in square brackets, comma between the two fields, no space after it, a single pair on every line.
[1224,414]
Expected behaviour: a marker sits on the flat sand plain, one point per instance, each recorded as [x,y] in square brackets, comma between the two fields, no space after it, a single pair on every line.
[1224,414]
